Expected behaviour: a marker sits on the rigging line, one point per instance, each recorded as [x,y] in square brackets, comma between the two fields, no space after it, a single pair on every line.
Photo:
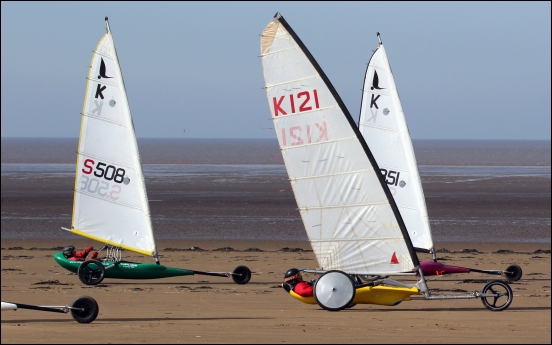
[103,119]
[104,159]
[115,202]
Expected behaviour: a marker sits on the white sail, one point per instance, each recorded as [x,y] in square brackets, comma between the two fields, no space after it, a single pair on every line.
[384,128]
[346,212]
[110,201]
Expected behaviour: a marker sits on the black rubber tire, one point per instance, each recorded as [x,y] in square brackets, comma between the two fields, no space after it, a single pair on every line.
[514,274]
[90,311]
[505,295]
[241,275]
[91,272]
[345,305]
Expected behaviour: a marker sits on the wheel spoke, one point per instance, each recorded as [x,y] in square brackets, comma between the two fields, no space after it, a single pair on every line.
[495,300]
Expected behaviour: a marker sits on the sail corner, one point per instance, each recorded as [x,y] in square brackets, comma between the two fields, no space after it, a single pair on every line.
[268,35]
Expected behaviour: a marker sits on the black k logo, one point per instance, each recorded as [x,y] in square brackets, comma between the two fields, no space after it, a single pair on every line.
[375,82]
[99,91]
[102,71]
[372,103]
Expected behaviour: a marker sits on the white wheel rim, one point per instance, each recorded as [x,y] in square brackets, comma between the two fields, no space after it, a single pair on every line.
[334,290]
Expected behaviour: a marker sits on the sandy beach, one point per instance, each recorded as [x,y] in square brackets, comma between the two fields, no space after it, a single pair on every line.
[202,309]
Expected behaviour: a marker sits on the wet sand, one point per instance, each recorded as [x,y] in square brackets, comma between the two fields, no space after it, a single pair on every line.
[203,309]
[258,218]
[510,209]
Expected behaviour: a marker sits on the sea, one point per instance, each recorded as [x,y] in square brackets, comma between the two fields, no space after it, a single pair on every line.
[239,160]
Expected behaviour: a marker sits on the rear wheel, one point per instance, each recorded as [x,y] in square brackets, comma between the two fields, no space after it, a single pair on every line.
[91,272]
[334,291]
[513,273]
[241,275]
[87,309]
[502,295]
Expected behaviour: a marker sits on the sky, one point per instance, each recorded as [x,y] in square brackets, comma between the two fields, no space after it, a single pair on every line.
[464,70]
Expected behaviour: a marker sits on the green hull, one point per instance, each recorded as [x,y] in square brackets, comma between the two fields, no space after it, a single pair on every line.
[127,270]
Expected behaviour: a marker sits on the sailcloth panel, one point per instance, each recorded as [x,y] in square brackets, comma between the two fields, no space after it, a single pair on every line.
[383,125]
[110,201]
[346,214]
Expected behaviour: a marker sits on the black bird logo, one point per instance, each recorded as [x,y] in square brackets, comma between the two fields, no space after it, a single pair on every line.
[102,71]
[375,82]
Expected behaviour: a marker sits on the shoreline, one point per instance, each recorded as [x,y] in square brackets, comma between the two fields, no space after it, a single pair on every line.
[269,246]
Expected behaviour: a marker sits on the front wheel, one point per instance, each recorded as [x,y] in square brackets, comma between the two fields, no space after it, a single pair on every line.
[334,291]
[91,272]
[86,309]
[241,275]
[501,298]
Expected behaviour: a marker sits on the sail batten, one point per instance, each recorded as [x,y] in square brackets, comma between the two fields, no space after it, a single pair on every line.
[315,144]
[378,127]
[366,239]
[333,174]
[103,82]
[104,120]
[110,200]
[348,213]
[268,86]
[102,54]
[307,208]
[114,202]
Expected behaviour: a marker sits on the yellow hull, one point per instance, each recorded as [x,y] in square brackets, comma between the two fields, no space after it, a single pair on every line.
[383,295]
[307,300]
[380,295]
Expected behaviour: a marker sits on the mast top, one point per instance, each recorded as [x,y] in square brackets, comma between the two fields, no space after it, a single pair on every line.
[107,25]
[379,38]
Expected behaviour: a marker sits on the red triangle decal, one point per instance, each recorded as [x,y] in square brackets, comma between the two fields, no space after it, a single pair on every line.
[394,259]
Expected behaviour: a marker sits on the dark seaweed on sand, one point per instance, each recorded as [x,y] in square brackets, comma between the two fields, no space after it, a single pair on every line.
[287,250]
